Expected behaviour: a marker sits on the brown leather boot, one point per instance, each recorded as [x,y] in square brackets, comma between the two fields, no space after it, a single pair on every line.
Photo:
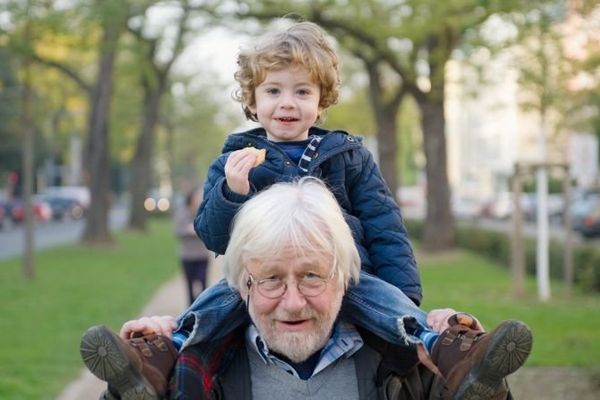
[135,369]
[475,363]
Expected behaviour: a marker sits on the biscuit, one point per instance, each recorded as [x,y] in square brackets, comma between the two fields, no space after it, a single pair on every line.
[260,155]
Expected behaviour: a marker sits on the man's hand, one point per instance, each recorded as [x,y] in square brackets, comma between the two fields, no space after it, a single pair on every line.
[438,319]
[161,325]
[238,166]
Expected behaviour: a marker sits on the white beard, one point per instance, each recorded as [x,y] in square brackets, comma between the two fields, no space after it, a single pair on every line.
[297,346]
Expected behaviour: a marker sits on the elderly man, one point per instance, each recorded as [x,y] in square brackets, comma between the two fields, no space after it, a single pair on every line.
[291,256]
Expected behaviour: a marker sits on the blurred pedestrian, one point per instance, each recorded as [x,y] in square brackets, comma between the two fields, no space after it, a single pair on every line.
[193,253]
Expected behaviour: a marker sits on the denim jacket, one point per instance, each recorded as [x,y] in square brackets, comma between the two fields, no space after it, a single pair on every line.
[350,172]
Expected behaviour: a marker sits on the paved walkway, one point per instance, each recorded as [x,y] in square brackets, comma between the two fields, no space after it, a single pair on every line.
[170,299]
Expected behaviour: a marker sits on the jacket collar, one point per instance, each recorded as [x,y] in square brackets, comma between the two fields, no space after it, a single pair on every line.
[258,136]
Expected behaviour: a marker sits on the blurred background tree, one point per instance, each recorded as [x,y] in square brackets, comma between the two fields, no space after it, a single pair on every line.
[164,120]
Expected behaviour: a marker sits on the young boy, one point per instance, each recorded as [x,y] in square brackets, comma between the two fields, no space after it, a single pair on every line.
[287,81]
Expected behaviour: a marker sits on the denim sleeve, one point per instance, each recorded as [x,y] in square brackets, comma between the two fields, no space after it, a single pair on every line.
[382,309]
[217,311]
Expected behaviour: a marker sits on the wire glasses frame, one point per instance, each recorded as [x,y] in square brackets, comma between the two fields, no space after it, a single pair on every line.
[274,288]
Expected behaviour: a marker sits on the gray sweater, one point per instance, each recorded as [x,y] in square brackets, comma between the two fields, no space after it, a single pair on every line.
[338,381]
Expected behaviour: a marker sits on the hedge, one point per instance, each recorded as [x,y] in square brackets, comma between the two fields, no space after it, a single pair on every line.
[496,246]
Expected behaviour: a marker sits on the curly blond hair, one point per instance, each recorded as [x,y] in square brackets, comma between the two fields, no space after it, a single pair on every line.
[303,44]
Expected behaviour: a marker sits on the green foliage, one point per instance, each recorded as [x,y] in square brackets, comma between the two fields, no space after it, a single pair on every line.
[496,246]
[542,63]
[583,103]
[587,260]
[555,184]
[37,30]
[196,125]
[126,108]
[352,115]
[75,287]
[10,145]
[66,42]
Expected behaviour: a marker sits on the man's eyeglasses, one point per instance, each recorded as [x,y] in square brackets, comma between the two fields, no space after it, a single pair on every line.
[310,285]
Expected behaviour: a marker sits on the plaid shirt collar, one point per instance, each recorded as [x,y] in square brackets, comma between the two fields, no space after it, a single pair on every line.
[343,343]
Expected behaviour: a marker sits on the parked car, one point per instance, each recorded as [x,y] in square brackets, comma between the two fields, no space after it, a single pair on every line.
[41,211]
[4,210]
[63,207]
[501,205]
[585,213]
[79,193]
[555,204]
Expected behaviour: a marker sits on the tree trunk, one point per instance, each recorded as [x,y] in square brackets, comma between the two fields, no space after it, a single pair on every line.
[439,231]
[517,242]
[386,121]
[98,148]
[142,160]
[28,260]
[388,146]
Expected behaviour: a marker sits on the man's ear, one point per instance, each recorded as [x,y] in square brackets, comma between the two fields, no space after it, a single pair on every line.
[248,285]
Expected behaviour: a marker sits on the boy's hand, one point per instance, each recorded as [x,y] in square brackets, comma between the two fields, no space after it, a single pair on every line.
[238,166]
[161,325]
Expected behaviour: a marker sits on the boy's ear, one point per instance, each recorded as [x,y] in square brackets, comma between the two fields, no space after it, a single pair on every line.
[251,108]
[320,112]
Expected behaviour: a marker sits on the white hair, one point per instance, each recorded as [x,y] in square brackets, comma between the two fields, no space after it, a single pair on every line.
[303,215]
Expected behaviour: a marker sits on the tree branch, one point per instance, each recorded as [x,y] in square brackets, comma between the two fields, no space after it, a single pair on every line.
[69,72]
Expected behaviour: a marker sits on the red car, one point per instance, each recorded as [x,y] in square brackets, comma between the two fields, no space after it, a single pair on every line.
[41,211]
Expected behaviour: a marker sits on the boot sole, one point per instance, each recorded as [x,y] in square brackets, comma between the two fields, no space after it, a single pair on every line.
[103,354]
[506,354]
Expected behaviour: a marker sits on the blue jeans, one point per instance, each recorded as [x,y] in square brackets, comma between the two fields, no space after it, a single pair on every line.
[373,304]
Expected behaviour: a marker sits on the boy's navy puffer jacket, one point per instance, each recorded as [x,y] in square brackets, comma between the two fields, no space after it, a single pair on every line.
[350,172]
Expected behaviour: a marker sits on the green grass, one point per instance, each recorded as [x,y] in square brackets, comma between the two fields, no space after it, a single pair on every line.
[566,329]
[41,321]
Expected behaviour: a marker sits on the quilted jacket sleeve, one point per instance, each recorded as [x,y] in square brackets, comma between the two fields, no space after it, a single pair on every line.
[385,236]
[215,214]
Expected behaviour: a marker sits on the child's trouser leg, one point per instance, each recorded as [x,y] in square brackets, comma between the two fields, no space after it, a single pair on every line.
[217,311]
[384,310]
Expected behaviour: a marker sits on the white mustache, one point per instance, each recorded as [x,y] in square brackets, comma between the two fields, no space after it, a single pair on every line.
[282,315]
